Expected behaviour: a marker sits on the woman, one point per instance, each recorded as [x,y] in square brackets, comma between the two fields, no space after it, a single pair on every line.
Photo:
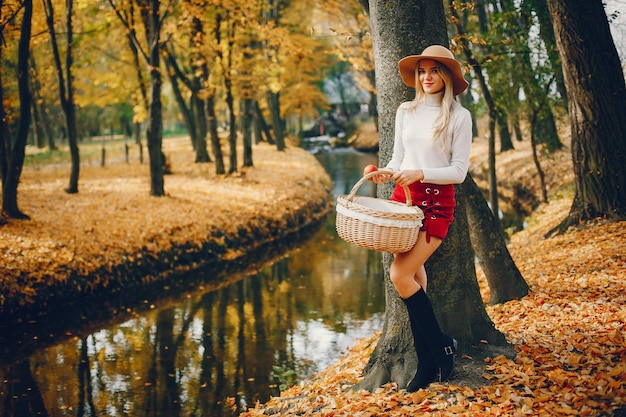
[433,137]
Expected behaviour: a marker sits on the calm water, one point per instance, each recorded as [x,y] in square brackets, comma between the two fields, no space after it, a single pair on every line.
[201,350]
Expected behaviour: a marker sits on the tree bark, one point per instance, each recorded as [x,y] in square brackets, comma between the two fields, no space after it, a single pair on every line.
[17,151]
[246,130]
[505,281]
[273,97]
[258,114]
[400,29]
[216,146]
[273,105]
[154,132]
[596,95]
[66,89]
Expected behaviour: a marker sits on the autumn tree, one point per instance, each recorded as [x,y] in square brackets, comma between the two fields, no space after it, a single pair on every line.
[151,17]
[12,150]
[65,83]
[187,65]
[505,281]
[272,48]
[398,30]
[596,95]
[353,44]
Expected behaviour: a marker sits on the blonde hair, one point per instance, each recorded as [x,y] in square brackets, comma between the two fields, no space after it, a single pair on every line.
[440,127]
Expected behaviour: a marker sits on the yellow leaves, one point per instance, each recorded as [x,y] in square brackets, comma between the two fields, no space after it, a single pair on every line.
[568,335]
[113,221]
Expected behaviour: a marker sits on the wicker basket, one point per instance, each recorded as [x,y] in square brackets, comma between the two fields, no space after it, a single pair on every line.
[377,224]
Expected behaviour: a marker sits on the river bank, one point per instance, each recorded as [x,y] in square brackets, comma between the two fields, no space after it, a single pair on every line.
[113,236]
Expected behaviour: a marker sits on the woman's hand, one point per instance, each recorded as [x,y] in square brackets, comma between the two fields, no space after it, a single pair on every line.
[377,179]
[408,176]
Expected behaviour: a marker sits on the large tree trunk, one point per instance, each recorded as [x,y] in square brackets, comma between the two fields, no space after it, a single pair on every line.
[505,281]
[596,95]
[66,89]
[69,108]
[198,66]
[17,151]
[272,13]
[154,131]
[401,29]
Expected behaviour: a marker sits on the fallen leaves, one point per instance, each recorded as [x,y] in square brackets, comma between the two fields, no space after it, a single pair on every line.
[113,224]
[569,334]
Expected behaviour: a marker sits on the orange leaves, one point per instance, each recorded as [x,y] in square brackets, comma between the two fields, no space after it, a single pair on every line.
[569,335]
[113,221]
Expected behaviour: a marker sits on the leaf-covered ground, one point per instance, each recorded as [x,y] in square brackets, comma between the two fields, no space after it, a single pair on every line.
[568,334]
[82,243]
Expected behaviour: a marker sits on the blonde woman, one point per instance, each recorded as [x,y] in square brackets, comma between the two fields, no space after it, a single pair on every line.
[433,136]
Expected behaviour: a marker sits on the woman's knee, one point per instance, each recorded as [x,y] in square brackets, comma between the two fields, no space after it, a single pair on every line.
[400,276]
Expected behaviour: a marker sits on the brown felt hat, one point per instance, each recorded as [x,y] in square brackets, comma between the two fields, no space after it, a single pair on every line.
[437,53]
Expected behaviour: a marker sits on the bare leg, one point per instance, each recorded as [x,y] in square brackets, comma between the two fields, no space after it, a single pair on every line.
[421,278]
[408,266]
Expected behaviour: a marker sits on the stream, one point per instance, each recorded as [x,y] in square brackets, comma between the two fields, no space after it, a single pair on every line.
[204,350]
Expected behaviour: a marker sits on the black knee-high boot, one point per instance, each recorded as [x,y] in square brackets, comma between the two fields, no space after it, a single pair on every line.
[426,366]
[441,346]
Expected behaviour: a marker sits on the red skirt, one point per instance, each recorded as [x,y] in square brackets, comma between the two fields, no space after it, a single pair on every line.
[436,201]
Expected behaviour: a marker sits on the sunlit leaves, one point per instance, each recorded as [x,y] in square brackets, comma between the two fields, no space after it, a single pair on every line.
[114,224]
[569,334]
[570,342]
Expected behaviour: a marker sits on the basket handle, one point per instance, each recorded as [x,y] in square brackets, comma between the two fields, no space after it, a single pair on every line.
[373,174]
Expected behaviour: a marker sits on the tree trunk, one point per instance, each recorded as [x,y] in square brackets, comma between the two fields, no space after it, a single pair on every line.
[202,155]
[272,13]
[232,135]
[154,132]
[5,134]
[185,110]
[16,160]
[66,89]
[503,129]
[246,128]
[273,104]
[401,29]
[505,281]
[258,114]
[199,66]
[216,146]
[596,95]
[41,122]
[491,106]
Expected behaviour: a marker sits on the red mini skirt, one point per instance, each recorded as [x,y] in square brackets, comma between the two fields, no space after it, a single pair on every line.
[436,201]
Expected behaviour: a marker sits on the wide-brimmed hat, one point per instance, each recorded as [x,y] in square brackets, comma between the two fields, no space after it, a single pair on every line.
[437,53]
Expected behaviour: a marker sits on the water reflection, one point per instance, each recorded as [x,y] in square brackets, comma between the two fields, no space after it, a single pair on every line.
[214,352]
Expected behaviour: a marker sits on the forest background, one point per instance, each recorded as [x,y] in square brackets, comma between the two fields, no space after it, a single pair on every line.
[233,74]
[110,69]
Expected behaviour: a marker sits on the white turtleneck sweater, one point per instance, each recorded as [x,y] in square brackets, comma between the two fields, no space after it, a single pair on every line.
[414,147]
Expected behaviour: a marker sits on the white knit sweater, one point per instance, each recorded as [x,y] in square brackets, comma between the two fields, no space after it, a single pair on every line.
[414,147]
